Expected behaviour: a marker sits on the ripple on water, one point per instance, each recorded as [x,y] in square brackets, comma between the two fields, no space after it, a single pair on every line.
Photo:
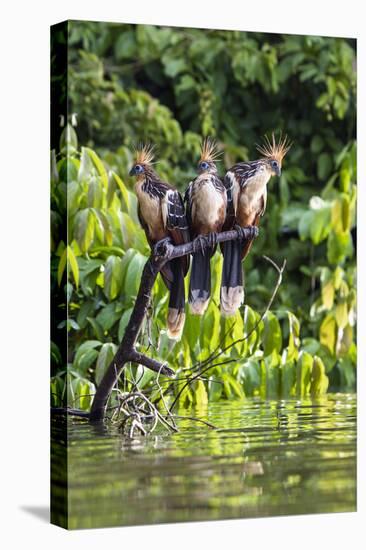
[265,458]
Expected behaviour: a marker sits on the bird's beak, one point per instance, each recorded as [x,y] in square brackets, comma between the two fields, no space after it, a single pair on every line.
[132,172]
[278,171]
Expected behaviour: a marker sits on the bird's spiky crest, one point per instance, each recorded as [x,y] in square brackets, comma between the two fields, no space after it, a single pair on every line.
[144,153]
[273,150]
[209,150]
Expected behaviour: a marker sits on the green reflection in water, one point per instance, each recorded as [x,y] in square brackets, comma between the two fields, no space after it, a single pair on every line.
[266,458]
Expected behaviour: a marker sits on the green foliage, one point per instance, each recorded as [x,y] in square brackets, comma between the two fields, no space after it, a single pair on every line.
[171,86]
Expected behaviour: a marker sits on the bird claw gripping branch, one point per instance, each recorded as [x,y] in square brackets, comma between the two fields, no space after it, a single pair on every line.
[198,244]
[211,239]
[162,248]
[243,232]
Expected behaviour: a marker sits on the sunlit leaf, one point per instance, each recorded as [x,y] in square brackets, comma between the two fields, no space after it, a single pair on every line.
[98,165]
[327,333]
[113,277]
[84,229]
[319,380]
[105,357]
[73,264]
[272,334]
[61,266]
[200,394]
[303,373]
[124,192]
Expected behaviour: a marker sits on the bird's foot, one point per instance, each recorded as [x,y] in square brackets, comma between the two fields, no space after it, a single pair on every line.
[199,244]
[211,239]
[161,248]
[248,232]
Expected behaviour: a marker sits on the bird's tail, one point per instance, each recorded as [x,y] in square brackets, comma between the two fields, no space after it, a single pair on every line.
[176,313]
[232,289]
[200,283]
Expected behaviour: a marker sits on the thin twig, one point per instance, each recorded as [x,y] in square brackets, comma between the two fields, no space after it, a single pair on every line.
[239,340]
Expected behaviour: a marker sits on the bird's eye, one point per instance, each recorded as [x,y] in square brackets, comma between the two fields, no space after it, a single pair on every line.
[203,165]
[274,163]
[138,169]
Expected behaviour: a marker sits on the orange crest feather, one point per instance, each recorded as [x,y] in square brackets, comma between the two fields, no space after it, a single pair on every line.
[144,153]
[209,150]
[275,150]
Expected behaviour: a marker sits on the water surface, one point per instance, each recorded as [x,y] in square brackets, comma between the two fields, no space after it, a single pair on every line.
[266,458]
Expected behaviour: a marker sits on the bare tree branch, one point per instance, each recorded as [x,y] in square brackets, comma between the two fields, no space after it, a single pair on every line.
[163,252]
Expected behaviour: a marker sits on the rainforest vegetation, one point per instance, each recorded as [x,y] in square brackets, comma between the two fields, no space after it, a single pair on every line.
[171,86]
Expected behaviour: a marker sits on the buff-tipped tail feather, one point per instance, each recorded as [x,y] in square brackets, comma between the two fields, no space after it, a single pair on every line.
[200,283]
[232,288]
[230,300]
[198,306]
[175,323]
[176,311]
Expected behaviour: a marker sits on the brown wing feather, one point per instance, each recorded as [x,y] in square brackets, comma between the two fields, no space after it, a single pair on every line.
[248,244]
[176,223]
[166,272]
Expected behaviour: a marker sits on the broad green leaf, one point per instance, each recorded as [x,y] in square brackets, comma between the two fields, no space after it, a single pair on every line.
[107,316]
[99,166]
[305,224]
[84,229]
[272,334]
[200,393]
[113,277]
[341,314]
[339,247]
[210,333]
[317,144]
[61,266]
[272,368]
[68,140]
[124,192]
[85,355]
[320,224]
[123,323]
[54,170]
[319,380]
[250,376]
[292,351]
[328,294]
[324,166]
[133,274]
[214,388]
[128,230]
[105,357]
[98,331]
[56,357]
[95,192]
[192,330]
[327,334]
[75,195]
[341,214]
[86,168]
[73,264]
[303,373]
[288,379]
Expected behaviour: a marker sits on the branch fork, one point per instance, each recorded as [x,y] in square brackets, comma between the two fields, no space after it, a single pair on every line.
[163,252]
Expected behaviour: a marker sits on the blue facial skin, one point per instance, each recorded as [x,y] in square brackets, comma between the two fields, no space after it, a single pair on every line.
[276,167]
[203,166]
[136,170]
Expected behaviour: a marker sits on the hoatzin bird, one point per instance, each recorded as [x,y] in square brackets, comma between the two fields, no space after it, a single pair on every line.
[206,211]
[162,215]
[246,185]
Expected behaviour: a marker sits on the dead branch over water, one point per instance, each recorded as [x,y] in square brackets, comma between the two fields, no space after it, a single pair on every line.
[126,351]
